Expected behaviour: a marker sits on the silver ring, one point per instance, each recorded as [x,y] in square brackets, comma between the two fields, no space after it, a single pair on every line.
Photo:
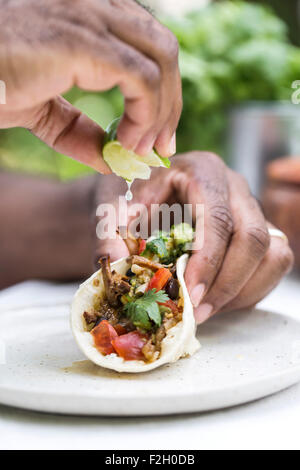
[274,232]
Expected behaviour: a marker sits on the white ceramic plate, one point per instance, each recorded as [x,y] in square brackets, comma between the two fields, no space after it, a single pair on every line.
[244,356]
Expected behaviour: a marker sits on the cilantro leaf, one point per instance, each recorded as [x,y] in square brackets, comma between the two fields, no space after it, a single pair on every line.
[138,315]
[154,313]
[158,247]
[146,308]
[155,296]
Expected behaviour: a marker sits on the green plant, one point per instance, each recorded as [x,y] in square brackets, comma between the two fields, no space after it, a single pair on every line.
[230,52]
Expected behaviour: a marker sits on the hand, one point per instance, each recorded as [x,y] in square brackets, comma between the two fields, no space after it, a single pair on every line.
[239,263]
[47,47]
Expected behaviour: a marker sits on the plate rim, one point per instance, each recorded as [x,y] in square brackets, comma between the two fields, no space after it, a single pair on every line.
[288,376]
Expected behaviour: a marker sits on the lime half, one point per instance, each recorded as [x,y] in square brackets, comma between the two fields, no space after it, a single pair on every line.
[126,163]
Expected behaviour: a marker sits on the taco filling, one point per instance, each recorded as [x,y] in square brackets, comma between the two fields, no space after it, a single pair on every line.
[136,311]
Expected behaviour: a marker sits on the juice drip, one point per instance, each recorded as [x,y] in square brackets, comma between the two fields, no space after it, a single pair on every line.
[129,195]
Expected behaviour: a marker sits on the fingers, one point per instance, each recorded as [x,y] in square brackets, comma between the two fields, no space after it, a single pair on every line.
[97,46]
[68,131]
[277,262]
[65,129]
[107,63]
[209,187]
[248,246]
[167,137]
[138,78]
[139,81]
[136,27]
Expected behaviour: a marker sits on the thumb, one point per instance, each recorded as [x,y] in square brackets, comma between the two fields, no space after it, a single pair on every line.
[68,131]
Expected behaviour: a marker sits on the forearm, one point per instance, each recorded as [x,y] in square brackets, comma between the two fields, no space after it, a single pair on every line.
[45,229]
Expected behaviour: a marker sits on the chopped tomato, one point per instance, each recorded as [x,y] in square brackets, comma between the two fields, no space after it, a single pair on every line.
[130,346]
[142,245]
[171,305]
[120,329]
[103,335]
[160,279]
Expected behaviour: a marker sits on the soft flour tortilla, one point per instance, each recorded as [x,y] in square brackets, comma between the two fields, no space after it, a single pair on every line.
[179,342]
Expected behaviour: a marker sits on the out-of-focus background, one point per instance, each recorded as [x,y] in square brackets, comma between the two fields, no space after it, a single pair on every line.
[238,61]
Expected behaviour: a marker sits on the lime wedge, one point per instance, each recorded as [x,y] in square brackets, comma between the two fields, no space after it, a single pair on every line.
[126,163]
[152,159]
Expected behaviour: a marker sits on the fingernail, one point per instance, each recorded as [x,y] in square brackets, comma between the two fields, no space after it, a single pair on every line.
[172,145]
[203,313]
[197,294]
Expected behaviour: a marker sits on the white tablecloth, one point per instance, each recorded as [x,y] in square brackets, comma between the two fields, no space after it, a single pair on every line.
[271,423]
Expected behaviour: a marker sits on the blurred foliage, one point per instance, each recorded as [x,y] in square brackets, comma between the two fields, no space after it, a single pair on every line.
[21,151]
[230,52]
[289,12]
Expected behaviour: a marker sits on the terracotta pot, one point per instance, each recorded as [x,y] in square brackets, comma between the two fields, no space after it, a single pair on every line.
[281,199]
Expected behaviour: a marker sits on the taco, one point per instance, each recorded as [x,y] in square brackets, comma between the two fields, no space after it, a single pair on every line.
[135,315]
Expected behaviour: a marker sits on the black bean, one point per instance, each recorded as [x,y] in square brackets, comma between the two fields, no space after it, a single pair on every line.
[172,288]
[129,273]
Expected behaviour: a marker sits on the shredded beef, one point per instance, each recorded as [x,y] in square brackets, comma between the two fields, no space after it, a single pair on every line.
[115,285]
[90,317]
[146,263]
[109,313]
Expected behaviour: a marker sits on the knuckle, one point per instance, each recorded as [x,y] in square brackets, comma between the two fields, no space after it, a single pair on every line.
[147,72]
[199,159]
[168,46]
[211,186]
[151,75]
[209,160]
[258,240]
[284,259]
[114,3]
[213,168]
[213,158]
[172,46]
[213,261]
[222,221]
